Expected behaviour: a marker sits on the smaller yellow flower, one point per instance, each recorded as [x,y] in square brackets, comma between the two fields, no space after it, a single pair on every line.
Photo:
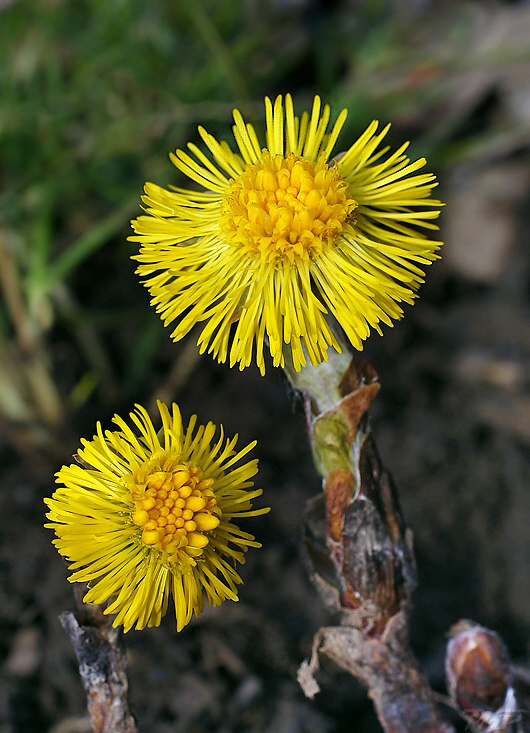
[148,516]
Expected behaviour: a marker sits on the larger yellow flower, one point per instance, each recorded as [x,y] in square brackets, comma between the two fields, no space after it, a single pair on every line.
[147,516]
[284,235]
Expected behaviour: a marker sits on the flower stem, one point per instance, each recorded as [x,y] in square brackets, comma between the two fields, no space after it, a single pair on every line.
[359,551]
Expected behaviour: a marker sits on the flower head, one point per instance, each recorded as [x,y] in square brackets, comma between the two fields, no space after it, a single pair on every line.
[283,235]
[146,516]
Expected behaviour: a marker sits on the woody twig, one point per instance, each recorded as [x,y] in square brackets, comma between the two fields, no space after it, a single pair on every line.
[359,551]
[102,666]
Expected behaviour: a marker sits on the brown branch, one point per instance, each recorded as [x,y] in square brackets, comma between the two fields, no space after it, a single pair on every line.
[359,552]
[102,666]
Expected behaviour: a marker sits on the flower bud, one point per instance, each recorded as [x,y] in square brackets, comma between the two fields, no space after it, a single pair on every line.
[479,676]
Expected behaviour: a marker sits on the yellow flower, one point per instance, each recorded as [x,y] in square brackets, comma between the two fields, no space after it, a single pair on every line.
[147,516]
[283,235]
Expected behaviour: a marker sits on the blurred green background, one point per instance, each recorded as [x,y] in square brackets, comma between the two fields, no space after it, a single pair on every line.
[94,94]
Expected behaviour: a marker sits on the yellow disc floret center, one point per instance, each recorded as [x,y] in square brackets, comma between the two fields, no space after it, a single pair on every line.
[287,207]
[175,508]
